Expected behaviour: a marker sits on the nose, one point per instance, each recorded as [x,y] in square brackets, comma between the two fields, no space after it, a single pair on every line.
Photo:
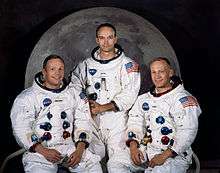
[105,41]
[157,75]
[58,72]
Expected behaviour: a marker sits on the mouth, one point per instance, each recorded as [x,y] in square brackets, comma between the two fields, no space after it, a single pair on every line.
[159,80]
[57,78]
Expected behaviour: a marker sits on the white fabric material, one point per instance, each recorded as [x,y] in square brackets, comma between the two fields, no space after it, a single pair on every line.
[29,112]
[177,165]
[179,116]
[111,82]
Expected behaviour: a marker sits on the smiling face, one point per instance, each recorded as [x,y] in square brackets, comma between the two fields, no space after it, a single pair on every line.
[106,39]
[160,75]
[53,73]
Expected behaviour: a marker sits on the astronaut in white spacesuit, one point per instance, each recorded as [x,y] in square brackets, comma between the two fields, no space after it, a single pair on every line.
[164,122]
[111,81]
[44,118]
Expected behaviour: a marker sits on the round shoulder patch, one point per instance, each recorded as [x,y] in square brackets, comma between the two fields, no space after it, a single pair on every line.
[145,106]
[47,102]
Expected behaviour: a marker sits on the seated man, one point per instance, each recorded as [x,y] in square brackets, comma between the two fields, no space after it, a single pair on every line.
[44,117]
[165,120]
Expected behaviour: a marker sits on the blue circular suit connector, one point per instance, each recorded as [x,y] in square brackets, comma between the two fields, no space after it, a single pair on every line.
[46,126]
[34,138]
[131,135]
[82,135]
[165,130]
[63,114]
[66,124]
[97,85]
[49,115]
[160,120]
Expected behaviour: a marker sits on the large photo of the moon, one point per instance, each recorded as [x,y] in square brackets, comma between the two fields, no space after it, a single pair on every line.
[73,38]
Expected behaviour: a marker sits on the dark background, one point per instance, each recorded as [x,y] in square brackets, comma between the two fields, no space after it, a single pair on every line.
[191,26]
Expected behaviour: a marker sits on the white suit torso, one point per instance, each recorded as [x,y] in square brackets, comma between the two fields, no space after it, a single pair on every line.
[39,111]
[117,80]
[171,120]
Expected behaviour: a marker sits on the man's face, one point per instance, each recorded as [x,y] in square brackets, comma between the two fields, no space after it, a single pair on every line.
[160,74]
[53,73]
[106,39]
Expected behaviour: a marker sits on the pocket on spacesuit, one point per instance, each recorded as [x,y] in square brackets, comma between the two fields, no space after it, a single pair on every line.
[34,157]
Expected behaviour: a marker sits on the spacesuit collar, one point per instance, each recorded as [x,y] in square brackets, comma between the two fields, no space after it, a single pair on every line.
[118,53]
[39,81]
[174,80]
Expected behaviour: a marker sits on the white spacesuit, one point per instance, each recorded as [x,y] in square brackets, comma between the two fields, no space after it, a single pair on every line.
[49,116]
[116,80]
[171,121]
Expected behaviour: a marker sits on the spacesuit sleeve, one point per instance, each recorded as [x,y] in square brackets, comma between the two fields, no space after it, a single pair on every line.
[185,114]
[22,118]
[130,81]
[78,77]
[82,129]
[136,125]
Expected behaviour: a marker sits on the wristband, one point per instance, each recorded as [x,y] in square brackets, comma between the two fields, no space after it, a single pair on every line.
[84,141]
[32,148]
[115,105]
[174,154]
[129,141]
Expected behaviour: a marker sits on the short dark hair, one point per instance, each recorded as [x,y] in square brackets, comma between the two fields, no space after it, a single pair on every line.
[105,25]
[53,56]
[161,59]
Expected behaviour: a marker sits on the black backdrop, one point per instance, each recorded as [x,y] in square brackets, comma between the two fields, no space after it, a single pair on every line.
[192,27]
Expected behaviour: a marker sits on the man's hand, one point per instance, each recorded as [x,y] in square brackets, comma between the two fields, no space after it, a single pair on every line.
[76,156]
[159,159]
[51,155]
[97,108]
[136,154]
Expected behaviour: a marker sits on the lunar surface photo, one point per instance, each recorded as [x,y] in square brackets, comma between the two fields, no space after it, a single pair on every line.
[73,38]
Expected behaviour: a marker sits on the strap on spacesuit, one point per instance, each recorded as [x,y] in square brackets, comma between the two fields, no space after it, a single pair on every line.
[16,153]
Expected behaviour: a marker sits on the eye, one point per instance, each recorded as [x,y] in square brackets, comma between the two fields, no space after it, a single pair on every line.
[100,37]
[110,37]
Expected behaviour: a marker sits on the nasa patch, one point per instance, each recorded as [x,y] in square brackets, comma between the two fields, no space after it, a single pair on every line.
[47,102]
[92,71]
[145,106]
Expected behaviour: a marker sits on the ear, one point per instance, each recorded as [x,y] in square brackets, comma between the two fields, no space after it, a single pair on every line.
[116,40]
[97,40]
[171,72]
[44,73]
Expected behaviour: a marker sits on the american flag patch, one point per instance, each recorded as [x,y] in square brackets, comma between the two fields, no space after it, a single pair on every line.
[188,101]
[83,96]
[132,67]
